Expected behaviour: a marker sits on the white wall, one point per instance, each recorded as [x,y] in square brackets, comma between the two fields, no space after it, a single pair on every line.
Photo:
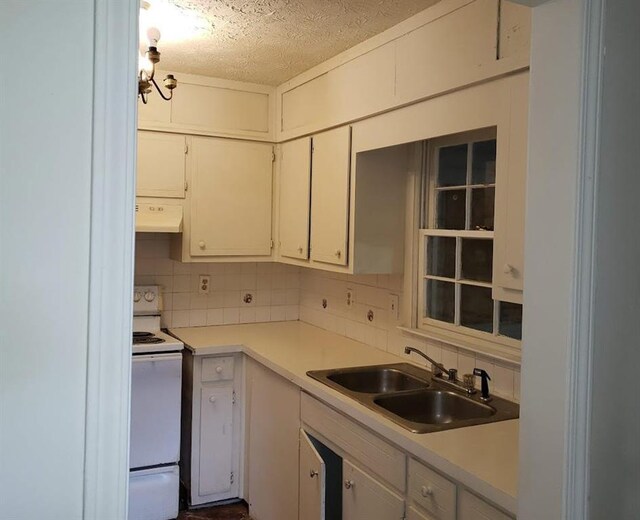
[552,181]
[615,413]
[46,57]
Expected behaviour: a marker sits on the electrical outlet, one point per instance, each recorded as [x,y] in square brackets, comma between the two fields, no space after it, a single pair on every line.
[394,311]
[205,282]
[351,298]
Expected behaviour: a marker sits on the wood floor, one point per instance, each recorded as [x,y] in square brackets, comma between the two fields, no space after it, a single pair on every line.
[230,512]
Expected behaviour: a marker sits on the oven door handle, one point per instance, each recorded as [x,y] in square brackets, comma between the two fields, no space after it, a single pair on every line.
[140,358]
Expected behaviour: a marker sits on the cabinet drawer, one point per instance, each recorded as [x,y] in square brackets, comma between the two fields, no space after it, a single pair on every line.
[473,508]
[361,445]
[217,369]
[431,491]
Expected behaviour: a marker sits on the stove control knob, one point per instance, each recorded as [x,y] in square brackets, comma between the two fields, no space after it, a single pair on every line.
[137,296]
[149,296]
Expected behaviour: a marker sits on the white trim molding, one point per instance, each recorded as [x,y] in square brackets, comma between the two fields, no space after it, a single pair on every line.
[111,265]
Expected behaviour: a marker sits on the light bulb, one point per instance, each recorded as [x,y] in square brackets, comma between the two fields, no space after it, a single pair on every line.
[144,65]
[153,35]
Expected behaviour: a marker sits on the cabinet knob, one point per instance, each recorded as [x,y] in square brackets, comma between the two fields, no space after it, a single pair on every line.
[507,269]
[300,250]
[202,244]
[212,399]
[348,484]
[313,473]
[426,491]
[219,370]
[338,253]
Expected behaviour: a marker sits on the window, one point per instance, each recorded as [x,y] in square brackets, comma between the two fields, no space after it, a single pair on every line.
[456,241]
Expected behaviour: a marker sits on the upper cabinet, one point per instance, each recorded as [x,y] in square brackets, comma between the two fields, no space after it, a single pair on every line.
[331,157]
[230,202]
[294,198]
[161,165]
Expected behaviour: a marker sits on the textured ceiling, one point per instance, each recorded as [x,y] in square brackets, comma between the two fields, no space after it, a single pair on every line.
[267,41]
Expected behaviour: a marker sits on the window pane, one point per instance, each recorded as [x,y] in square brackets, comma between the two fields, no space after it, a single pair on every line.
[482,203]
[440,304]
[441,256]
[452,166]
[451,207]
[476,308]
[510,320]
[483,169]
[477,259]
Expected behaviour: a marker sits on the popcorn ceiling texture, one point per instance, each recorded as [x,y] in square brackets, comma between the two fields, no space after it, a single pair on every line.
[271,41]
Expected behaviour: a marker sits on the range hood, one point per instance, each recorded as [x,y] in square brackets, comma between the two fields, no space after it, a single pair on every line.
[158,218]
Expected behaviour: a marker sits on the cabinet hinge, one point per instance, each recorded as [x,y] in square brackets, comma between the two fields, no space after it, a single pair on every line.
[273,155]
[231,478]
[271,243]
[233,397]
[186,148]
[186,186]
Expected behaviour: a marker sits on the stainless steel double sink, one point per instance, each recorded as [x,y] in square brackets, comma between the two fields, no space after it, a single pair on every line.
[412,398]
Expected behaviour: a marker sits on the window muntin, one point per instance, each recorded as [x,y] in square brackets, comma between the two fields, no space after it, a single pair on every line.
[456,241]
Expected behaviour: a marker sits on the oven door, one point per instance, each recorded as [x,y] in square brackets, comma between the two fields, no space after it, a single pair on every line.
[156,381]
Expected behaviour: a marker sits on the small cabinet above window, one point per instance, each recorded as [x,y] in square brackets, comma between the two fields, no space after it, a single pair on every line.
[161,165]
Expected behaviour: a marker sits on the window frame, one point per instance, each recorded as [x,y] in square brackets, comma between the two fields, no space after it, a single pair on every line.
[426,228]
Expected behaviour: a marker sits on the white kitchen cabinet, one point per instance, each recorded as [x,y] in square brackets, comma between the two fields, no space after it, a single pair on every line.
[471,507]
[230,198]
[330,167]
[312,478]
[508,249]
[364,498]
[433,493]
[161,165]
[414,514]
[273,431]
[294,198]
[210,453]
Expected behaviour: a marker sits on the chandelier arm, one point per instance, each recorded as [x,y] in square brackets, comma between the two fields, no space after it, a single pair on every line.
[160,91]
[144,99]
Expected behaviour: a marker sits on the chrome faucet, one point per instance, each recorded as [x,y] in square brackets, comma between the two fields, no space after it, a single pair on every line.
[436,368]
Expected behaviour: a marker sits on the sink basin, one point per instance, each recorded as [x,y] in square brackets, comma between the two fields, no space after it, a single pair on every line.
[376,380]
[412,398]
[434,407]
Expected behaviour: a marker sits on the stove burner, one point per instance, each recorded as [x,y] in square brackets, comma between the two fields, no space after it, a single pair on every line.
[145,338]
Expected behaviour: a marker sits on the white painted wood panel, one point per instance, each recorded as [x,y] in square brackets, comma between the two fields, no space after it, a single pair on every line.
[511,180]
[446,51]
[295,198]
[161,165]
[216,440]
[155,110]
[354,89]
[220,109]
[330,171]
[431,491]
[361,445]
[312,481]
[515,29]
[364,498]
[230,197]
[471,507]
[274,423]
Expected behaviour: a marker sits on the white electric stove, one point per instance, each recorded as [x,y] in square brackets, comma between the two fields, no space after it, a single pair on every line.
[156,382]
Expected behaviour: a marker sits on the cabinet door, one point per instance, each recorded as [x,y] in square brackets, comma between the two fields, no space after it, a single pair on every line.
[312,481]
[414,514]
[295,191]
[471,507]
[330,170]
[364,498]
[230,197]
[274,425]
[508,270]
[161,165]
[216,440]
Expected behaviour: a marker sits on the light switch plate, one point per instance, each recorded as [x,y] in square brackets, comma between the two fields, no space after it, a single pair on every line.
[350,298]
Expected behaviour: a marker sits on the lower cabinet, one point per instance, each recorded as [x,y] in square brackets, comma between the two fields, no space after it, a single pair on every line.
[210,454]
[365,498]
[273,422]
[471,507]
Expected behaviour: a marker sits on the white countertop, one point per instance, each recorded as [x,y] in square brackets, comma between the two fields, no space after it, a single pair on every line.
[484,458]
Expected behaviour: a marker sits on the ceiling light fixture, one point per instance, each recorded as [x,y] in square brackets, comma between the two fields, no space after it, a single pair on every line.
[149,58]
